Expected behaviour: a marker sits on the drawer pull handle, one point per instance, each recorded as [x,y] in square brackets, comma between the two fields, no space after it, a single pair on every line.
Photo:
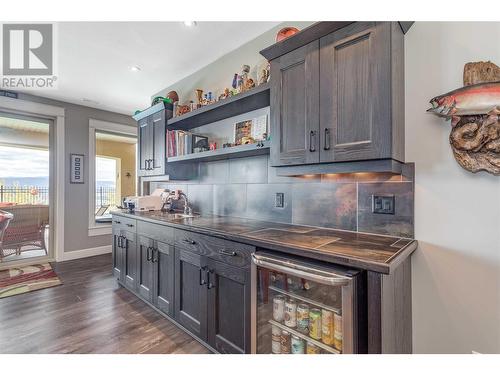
[189,241]
[117,222]
[225,252]
[210,285]
[202,275]
[130,225]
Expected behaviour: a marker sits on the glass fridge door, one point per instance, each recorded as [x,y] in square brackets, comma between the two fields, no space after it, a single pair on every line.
[299,308]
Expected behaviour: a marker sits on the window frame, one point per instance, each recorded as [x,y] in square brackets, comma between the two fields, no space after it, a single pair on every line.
[99,229]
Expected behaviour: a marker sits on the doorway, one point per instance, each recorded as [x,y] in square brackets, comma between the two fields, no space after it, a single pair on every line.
[26,189]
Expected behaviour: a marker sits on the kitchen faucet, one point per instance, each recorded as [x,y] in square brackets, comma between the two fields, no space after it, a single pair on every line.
[187,209]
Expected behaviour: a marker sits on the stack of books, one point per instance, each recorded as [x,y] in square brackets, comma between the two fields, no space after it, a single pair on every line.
[179,142]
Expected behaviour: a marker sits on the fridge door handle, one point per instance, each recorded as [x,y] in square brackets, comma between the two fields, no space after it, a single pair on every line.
[299,270]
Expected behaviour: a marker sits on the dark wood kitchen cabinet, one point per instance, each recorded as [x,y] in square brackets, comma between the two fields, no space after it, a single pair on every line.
[163,277]
[124,252]
[117,253]
[191,291]
[294,101]
[152,140]
[340,97]
[228,307]
[155,279]
[129,259]
[145,277]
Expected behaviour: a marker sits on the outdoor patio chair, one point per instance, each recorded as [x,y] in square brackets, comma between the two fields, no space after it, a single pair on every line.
[5,218]
[26,230]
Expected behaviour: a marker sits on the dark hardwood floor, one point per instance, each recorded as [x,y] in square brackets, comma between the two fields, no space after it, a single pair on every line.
[89,313]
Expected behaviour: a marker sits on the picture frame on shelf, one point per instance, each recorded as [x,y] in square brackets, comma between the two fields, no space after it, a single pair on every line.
[251,131]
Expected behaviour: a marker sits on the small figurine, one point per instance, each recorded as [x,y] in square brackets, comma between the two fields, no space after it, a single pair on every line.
[213,146]
[249,84]
[235,81]
[199,96]
[264,74]
[243,78]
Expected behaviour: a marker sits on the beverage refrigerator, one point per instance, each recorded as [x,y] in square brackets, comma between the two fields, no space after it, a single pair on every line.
[303,307]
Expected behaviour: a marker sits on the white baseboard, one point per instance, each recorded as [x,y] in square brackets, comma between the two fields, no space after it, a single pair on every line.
[84,253]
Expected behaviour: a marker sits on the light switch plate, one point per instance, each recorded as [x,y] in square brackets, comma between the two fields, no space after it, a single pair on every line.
[384,204]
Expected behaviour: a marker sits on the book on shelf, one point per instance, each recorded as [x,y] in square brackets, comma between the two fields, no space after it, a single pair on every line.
[180,142]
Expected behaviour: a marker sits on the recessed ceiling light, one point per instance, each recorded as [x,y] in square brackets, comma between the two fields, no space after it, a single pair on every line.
[135,69]
[189,23]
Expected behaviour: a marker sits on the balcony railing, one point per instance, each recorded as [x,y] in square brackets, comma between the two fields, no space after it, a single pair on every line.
[40,195]
[105,196]
[24,195]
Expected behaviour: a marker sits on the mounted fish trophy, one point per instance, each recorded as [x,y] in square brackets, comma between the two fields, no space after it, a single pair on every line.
[474,111]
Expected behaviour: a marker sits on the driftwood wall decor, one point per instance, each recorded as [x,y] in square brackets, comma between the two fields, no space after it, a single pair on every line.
[474,111]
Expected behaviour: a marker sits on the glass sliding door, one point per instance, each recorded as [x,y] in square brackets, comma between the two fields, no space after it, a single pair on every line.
[26,194]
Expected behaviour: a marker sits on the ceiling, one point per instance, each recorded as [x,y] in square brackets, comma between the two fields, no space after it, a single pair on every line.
[94,58]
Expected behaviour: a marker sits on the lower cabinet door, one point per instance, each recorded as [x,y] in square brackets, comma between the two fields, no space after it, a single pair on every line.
[228,307]
[130,260]
[145,267]
[163,260]
[117,251]
[191,292]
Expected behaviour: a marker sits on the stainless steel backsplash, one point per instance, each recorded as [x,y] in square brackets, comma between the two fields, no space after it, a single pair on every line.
[246,187]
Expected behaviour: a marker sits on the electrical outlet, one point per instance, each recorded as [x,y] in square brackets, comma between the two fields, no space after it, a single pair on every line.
[383,204]
[279,200]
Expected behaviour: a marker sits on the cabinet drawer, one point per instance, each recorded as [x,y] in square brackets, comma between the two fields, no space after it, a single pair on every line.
[198,243]
[122,222]
[156,232]
[229,252]
[234,253]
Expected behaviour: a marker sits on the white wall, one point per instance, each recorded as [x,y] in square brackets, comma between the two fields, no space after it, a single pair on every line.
[456,270]
[218,75]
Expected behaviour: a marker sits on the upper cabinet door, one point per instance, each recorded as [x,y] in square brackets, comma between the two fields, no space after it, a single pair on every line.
[158,144]
[355,93]
[294,107]
[145,146]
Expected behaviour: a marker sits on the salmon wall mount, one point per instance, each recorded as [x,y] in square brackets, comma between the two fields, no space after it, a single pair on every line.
[474,111]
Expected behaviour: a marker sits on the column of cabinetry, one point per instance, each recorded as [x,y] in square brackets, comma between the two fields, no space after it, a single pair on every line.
[340,98]
[202,282]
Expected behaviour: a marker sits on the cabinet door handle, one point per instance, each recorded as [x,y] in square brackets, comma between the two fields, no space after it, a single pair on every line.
[146,164]
[327,139]
[312,141]
[189,241]
[152,162]
[202,275]
[210,285]
[119,241]
[154,256]
[125,242]
[226,252]
[149,253]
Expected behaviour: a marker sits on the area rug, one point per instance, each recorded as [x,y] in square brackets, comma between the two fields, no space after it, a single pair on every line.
[18,280]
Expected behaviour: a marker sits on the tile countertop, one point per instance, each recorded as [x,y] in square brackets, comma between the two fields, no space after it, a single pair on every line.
[366,251]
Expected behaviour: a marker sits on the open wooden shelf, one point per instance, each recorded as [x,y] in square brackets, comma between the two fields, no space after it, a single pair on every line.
[251,100]
[224,153]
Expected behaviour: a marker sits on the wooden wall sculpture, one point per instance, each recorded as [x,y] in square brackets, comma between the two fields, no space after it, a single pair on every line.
[474,111]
